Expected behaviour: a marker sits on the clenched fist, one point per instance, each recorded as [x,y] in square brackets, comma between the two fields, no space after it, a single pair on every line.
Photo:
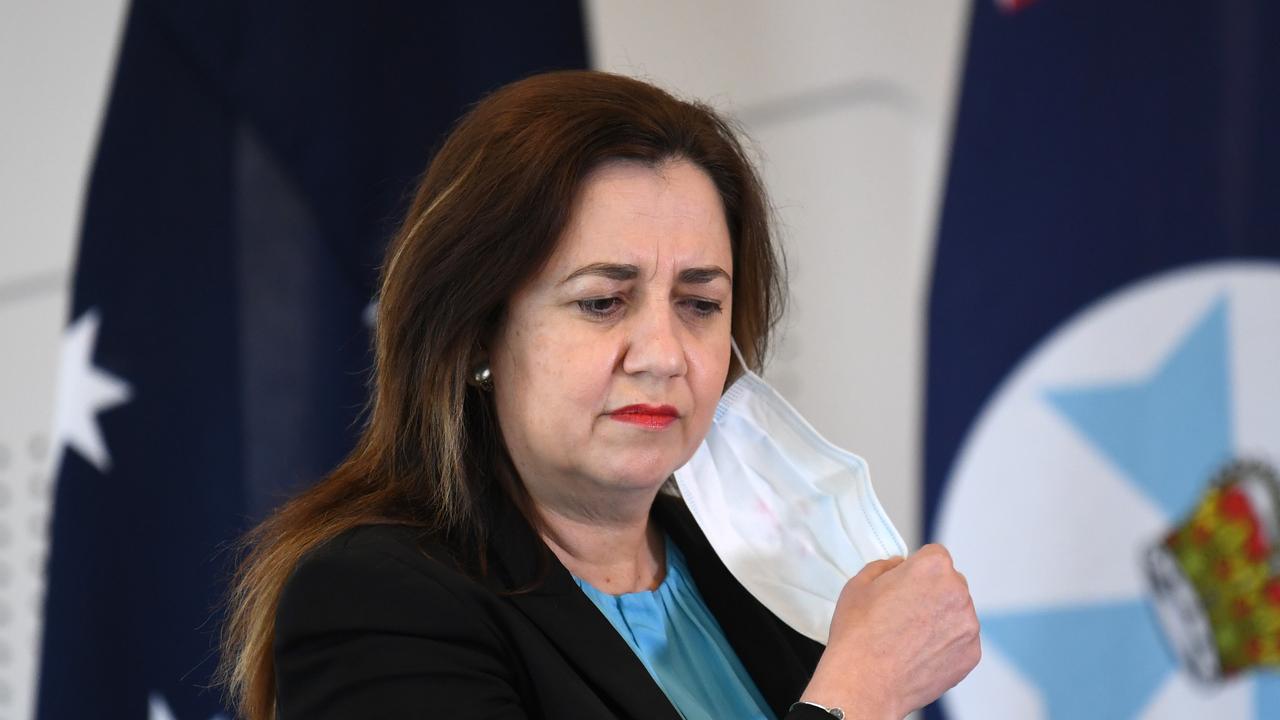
[904,632]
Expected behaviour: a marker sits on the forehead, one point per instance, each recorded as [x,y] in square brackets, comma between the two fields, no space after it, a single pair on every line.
[656,217]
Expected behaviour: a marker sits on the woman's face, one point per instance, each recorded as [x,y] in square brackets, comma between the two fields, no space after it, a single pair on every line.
[610,361]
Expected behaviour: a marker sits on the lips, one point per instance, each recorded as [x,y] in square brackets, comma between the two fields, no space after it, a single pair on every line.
[656,417]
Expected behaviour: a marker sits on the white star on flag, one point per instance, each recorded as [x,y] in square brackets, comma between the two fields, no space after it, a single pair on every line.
[158,709]
[84,391]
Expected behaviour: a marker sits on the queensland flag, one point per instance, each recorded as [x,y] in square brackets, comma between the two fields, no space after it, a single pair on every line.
[253,161]
[1103,384]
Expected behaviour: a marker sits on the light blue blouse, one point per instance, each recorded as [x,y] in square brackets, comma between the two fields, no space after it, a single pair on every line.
[682,646]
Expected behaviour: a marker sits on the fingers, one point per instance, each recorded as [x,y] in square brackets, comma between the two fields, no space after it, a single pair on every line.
[933,566]
[875,569]
[934,553]
[932,561]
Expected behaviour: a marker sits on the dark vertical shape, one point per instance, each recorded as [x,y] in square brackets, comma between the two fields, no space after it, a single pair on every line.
[1238,129]
[253,160]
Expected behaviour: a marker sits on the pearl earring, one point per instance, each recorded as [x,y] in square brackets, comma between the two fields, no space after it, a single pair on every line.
[482,377]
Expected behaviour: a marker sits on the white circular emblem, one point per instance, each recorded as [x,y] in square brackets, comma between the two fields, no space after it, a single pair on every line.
[1114,508]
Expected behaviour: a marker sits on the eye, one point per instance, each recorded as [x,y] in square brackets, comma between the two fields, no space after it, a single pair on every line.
[703,308]
[600,307]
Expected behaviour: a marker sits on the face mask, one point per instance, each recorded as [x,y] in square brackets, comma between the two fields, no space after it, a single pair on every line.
[792,516]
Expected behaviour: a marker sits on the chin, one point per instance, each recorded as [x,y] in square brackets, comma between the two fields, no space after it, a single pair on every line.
[637,467]
[642,475]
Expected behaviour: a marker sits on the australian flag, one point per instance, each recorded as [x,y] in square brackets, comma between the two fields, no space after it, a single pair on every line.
[253,160]
[1103,393]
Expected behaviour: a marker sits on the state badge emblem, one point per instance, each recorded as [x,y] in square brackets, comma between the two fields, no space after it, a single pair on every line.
[1215,578]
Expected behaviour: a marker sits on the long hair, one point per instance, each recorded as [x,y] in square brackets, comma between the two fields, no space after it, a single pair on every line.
[486,217]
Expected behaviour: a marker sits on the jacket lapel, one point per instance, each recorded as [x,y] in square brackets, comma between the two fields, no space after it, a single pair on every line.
[540,587]
[779,659]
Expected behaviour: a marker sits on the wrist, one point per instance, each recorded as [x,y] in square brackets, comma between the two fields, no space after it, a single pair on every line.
[813,708]
[855,703]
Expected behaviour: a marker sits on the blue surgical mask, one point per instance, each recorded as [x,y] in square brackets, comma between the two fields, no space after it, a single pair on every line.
[792,516]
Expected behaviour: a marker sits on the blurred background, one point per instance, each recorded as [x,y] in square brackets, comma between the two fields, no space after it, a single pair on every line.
[1034,281]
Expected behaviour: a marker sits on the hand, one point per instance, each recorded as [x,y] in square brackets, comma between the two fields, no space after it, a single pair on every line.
[903,633]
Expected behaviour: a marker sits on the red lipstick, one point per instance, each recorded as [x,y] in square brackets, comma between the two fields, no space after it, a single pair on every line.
[656,417]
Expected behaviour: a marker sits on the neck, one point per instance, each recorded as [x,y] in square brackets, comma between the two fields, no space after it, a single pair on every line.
[615,554]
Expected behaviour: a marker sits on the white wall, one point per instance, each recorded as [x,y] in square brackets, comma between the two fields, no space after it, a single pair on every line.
[849,103]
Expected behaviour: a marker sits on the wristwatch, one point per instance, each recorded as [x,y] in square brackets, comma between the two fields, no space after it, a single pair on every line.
[834,712]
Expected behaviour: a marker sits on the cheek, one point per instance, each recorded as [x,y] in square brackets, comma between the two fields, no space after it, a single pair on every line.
[707,398]
[564,380]
[707,385]
[586,376]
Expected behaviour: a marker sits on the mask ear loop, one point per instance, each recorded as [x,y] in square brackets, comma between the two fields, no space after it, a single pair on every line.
[738,354]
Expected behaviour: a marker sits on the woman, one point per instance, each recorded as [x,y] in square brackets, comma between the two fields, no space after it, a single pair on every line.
[554,331]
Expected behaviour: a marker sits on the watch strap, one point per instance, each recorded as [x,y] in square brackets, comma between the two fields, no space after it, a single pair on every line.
[830,711]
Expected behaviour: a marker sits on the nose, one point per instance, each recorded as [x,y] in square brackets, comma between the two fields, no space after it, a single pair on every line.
[656,344]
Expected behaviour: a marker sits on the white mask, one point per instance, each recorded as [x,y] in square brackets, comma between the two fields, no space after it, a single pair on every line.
[792,516]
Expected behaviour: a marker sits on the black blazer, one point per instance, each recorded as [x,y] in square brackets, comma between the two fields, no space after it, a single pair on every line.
[379,623]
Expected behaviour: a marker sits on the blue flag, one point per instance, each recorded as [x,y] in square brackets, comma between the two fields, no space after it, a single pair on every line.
[1103,384]
[253,161]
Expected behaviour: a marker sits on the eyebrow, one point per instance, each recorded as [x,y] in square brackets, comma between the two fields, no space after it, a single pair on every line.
[621,272]
[612,271]
[703,275]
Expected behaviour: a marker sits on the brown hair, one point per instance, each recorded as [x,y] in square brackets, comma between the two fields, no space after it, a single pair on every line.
[485,217]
